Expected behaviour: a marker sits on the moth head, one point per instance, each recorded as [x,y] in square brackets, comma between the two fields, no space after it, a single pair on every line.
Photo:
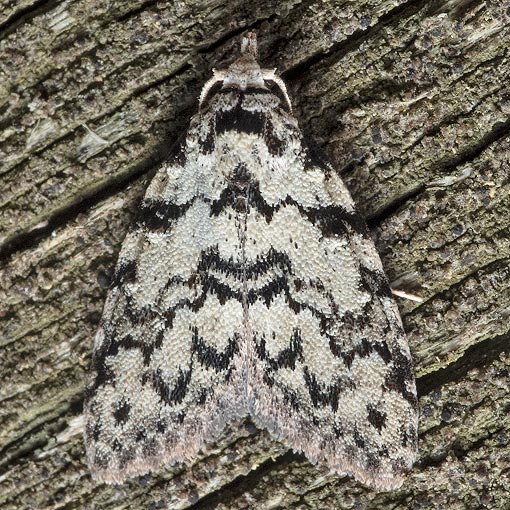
[244,73]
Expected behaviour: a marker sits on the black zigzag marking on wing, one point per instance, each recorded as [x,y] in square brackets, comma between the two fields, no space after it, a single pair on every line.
[210,285]
[313,157]
[375,417]
[209,356]
[211,261]
[205,354]
[136,314]
[290,396]
[275,146]
[238,119]
[158,215]
[361,322]
[223,292]
[400,375]
[110,349]
[326,394]
[125,272]
[361,350]
[122,412]
[332,220]
[170,394]
[287,357]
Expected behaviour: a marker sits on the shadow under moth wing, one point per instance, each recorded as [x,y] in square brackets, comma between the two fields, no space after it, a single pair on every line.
[249,285]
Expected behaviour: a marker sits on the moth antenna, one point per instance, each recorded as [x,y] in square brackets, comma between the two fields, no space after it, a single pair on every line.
[249,45]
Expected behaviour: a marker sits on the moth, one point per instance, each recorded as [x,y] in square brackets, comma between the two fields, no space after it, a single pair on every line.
[249,285]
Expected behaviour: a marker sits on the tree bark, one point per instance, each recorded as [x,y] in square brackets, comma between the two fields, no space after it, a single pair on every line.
[410,100]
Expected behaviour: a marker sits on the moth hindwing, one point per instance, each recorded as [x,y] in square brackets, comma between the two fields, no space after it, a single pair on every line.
[249,285]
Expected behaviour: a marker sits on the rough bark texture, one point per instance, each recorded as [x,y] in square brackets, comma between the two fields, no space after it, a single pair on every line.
[409,99]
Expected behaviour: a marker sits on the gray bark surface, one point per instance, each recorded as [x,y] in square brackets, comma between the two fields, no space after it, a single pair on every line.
[410,100]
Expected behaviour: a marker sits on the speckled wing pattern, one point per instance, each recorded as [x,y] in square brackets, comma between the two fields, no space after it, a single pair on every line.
[249,285]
